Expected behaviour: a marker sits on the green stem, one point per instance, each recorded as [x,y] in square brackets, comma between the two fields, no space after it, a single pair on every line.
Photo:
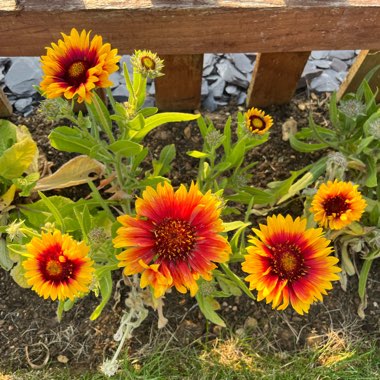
[103,120]
[96,195]
[60,310]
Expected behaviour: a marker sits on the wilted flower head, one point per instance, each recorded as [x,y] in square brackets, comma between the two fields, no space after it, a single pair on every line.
[257,122]
[147,63]
[55,109]
[75,66]
[337,204]
[14,230]
[352,107]
[336,165]
[374,128]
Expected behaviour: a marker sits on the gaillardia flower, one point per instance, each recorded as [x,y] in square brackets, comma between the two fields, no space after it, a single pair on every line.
[76,66]
[174,239]
[337,204]
[257,122]
[289,264]
[147,63]
[58,266]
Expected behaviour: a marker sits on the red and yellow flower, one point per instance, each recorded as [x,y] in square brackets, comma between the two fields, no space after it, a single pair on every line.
[257,122]
[337,204]
[290,264]
[58,266]
[174,239]
[76,66]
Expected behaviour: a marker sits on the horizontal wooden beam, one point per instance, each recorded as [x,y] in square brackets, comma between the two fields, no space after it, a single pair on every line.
[193,27]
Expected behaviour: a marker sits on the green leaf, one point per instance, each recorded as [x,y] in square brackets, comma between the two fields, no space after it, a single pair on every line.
[125,148]
[231,226]
[371,180]
[71,139]
[128,82]
[305,147]
[363,277]
[238,281]
[54,210]
[163,165]
[105,284]
[333,111]
[84,219]
[197,154]
[5,261]
[26,184]
[202,127]
[137,123]
[18,275]
[8,135]
[227,133]
[148,111]
[207,306]
[16,160]
[162,118]
[237,154]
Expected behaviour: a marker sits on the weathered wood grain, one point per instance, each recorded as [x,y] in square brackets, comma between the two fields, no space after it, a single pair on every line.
[194,27]
[180,88]
[5,106]
[275,77]
[365,62]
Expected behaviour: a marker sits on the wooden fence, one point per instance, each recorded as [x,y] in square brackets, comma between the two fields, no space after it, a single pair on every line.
[284,32]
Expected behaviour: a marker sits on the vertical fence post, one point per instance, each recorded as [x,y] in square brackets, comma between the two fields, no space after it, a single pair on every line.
[364,62]
[180,88]
[275,78]
[5,106]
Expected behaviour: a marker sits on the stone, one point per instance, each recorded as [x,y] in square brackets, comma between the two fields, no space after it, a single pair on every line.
[209,103]
[232,90]
[242,98]
[126,59]
[319,54]
[338,65]
[209,59]
[310,70]
[341,76]
[289,128]
[120,93]
[204,87]
[116,78]
[217,87]
[22,103]
[149,101]
[322,63]
[324,83]
[230,74]
[241,62]
[24,73]
[208,70]
[342,54]
[152,89]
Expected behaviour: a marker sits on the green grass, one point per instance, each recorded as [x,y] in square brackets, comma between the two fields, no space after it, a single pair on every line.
[237,359]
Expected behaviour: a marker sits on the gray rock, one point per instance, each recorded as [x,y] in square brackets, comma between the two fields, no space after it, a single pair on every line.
[338,65]
[24,73]
[209,103]
[149,101]
[120,93]
[232,90]
[230,74]
[341,76]
[204,87]
[310,70]
[241,62]
[322,63]
[152,89]
[209,60]
[242,98]
[23,103]
[116,78]
[319,54]
[324,83]
[212,78]
[127,60]
[342,54]
[208,70]
[2,76]
[217,87]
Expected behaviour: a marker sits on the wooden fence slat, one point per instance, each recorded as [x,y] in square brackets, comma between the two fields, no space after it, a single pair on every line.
[275,77]
[180,88]
[5,106]
[365,61]
[193,27]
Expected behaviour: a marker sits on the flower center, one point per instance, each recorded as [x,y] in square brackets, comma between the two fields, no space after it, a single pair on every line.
[175,239]
[256,123]
[55,266]
[335,206]
[287,261]
[148,63]
[77,69]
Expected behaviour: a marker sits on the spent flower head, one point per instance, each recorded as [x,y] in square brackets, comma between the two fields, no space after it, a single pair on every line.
[336,165]
[374,128]
[55,109]
[352,108]
[214,138]
[14,230]
[147,63]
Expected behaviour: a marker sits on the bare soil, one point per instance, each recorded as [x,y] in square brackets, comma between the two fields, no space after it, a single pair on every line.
[30,332]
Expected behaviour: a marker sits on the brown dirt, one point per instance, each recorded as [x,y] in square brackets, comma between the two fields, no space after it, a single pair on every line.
[28,322]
